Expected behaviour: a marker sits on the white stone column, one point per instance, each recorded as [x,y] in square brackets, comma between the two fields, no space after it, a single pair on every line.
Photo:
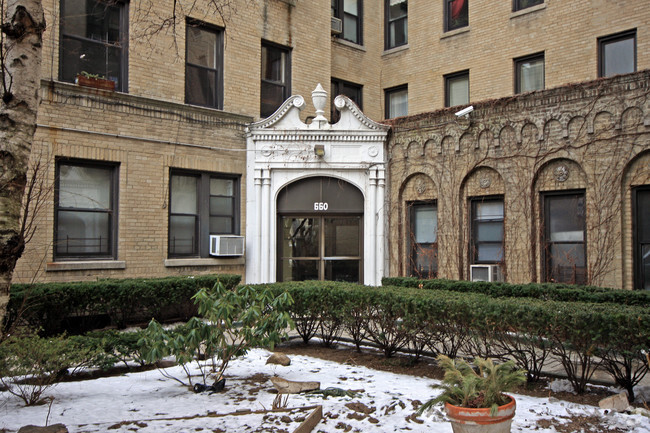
[381,218]
[257,229]
[265,226]
[371,246]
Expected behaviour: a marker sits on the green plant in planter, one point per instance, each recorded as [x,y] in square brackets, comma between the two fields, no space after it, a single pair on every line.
[480,386]
[92,76]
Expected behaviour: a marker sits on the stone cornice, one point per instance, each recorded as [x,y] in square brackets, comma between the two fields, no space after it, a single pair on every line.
[55,92]
[522,103]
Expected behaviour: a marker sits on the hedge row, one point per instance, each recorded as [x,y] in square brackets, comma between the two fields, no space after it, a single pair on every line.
[81,306]
[581,336]
[543,291]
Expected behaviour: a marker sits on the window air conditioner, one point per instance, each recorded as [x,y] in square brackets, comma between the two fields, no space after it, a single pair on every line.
[485,273]
[226,245]
[337,26]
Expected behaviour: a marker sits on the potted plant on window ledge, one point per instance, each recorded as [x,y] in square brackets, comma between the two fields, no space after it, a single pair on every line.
[94,80]
[475,396]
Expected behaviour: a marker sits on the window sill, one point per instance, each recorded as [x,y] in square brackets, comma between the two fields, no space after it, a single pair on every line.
[527,11]
[452,33]
[349,44]
[85,265]
[395,50]
[174,263]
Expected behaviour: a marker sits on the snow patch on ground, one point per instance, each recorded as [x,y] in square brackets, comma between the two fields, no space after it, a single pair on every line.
[146,402]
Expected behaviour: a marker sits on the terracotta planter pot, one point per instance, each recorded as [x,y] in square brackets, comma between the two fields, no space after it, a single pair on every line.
[470,420]
[98,83]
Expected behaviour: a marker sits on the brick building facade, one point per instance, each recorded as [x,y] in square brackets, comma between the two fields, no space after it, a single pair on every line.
[139,177]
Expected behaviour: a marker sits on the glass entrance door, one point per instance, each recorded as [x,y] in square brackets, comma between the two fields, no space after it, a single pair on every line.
[320,248]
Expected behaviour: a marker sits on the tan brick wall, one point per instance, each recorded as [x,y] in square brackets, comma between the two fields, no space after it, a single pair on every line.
[138,130]
[566,32]
[598,131]
[149,130]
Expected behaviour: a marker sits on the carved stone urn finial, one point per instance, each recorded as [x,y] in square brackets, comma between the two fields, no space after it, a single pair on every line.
[319,98]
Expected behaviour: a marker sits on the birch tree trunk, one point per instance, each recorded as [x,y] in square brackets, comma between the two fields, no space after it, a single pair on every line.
[22,31]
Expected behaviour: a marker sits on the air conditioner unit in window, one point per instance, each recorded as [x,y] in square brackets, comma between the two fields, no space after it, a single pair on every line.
[337,26]
[221,245]
[485,273]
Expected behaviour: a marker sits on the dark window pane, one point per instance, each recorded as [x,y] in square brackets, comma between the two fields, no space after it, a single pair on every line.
[83,233]
[458,90]
[272,98]
[273,64]
[300,270]
[92,40]
[350,28]
[422,238]
[184,195]
[457,14]
[182,235]
[618,57]
[84,187]
[565,249]
[397,103]
[300,237]
[566,219]
[645,266]
[201,86]
[426,224]
[530,74]
[396,23]
[342,270]
[397,9]
[492,253]
[221,225]
[84,211]
[222,186]
[490,232]
[522,4]
[425,260]
[342,237]
[221,206]
[201,47]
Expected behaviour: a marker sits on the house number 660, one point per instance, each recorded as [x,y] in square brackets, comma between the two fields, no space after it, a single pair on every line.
[320,205]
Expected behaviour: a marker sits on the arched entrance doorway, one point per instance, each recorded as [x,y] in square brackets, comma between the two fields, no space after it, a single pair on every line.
[320,231]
